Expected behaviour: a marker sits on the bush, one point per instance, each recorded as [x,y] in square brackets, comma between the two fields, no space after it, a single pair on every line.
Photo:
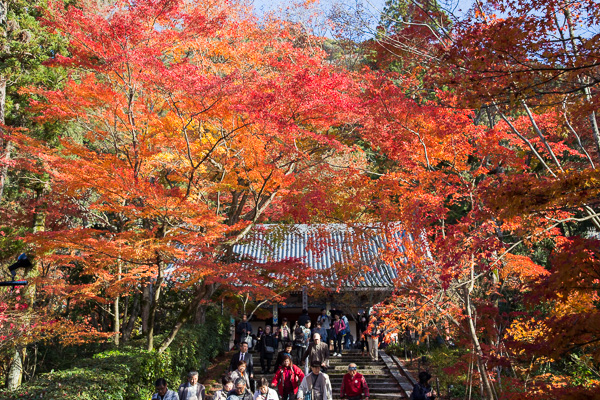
[129,373]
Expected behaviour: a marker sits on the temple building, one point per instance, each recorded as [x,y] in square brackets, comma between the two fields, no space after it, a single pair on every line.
[348,263]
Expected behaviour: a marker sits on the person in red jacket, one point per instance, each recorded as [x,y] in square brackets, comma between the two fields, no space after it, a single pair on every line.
[287,379]
[354,385]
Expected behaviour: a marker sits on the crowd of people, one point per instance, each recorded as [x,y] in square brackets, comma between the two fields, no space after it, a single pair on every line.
[333,329]
[289,383]
[300,367]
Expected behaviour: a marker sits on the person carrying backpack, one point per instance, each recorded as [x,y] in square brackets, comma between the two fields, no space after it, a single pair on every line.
[339,327]
[346,334]
[299,341]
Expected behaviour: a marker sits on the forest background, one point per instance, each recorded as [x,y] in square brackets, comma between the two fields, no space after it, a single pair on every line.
[142,140]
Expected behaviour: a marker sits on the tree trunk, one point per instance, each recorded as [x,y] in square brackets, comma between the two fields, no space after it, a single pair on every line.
[152,315]
[105,319]
[135,311]
[5,144]
[146,293]
[200,317]
[485,381]
[116,311]
[201,293]
[154,305]
[126,311]
[586,90]
[117,322]
[15,373]
[4,171]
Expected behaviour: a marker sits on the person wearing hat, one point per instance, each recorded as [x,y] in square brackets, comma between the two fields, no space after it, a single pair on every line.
[315,385]
[317,351]
[354,385]
[320,329]
[423,390]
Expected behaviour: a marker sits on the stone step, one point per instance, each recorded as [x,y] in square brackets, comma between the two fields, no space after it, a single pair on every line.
[387,396]
[351,357]
[383,380]
[344,368]
[355,360]
[345,361]
[365,372]
[383,396]
[375,378]
[360,367]
[384,384]
[377,387]
[342,360]
[396,396]
[337,378]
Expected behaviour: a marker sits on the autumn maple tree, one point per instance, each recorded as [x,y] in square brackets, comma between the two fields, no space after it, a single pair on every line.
[531,70]
[472,144]
[186,125]
[492,177]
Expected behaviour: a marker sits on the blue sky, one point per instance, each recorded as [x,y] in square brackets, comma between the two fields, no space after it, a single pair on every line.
[273,4]
[371,10]
[373,5]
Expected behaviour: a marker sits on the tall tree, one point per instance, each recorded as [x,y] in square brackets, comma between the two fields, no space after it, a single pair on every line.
[24,47]
[194,122]
[527,71]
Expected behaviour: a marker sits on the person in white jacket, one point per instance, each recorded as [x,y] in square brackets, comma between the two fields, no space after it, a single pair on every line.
[316,385]
[264,392]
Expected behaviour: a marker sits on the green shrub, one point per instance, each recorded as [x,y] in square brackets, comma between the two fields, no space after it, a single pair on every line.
[129,373]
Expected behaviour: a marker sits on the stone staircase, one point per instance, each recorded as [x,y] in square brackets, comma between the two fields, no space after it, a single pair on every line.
[386,381]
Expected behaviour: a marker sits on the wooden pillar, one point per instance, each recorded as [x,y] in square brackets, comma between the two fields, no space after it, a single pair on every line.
[304,298]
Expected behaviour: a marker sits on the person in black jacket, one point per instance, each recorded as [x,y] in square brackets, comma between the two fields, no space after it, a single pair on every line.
[268,345]
[303,318]
[242,330]
[361,326]
[287,349]
[243,355]
[422,390]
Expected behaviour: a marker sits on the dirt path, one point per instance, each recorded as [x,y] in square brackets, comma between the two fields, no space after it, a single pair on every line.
[211,379]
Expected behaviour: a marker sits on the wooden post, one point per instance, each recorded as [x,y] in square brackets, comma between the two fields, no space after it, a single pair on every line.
[304,298]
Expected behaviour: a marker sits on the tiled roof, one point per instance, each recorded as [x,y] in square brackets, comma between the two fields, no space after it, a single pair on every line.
[323,246]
